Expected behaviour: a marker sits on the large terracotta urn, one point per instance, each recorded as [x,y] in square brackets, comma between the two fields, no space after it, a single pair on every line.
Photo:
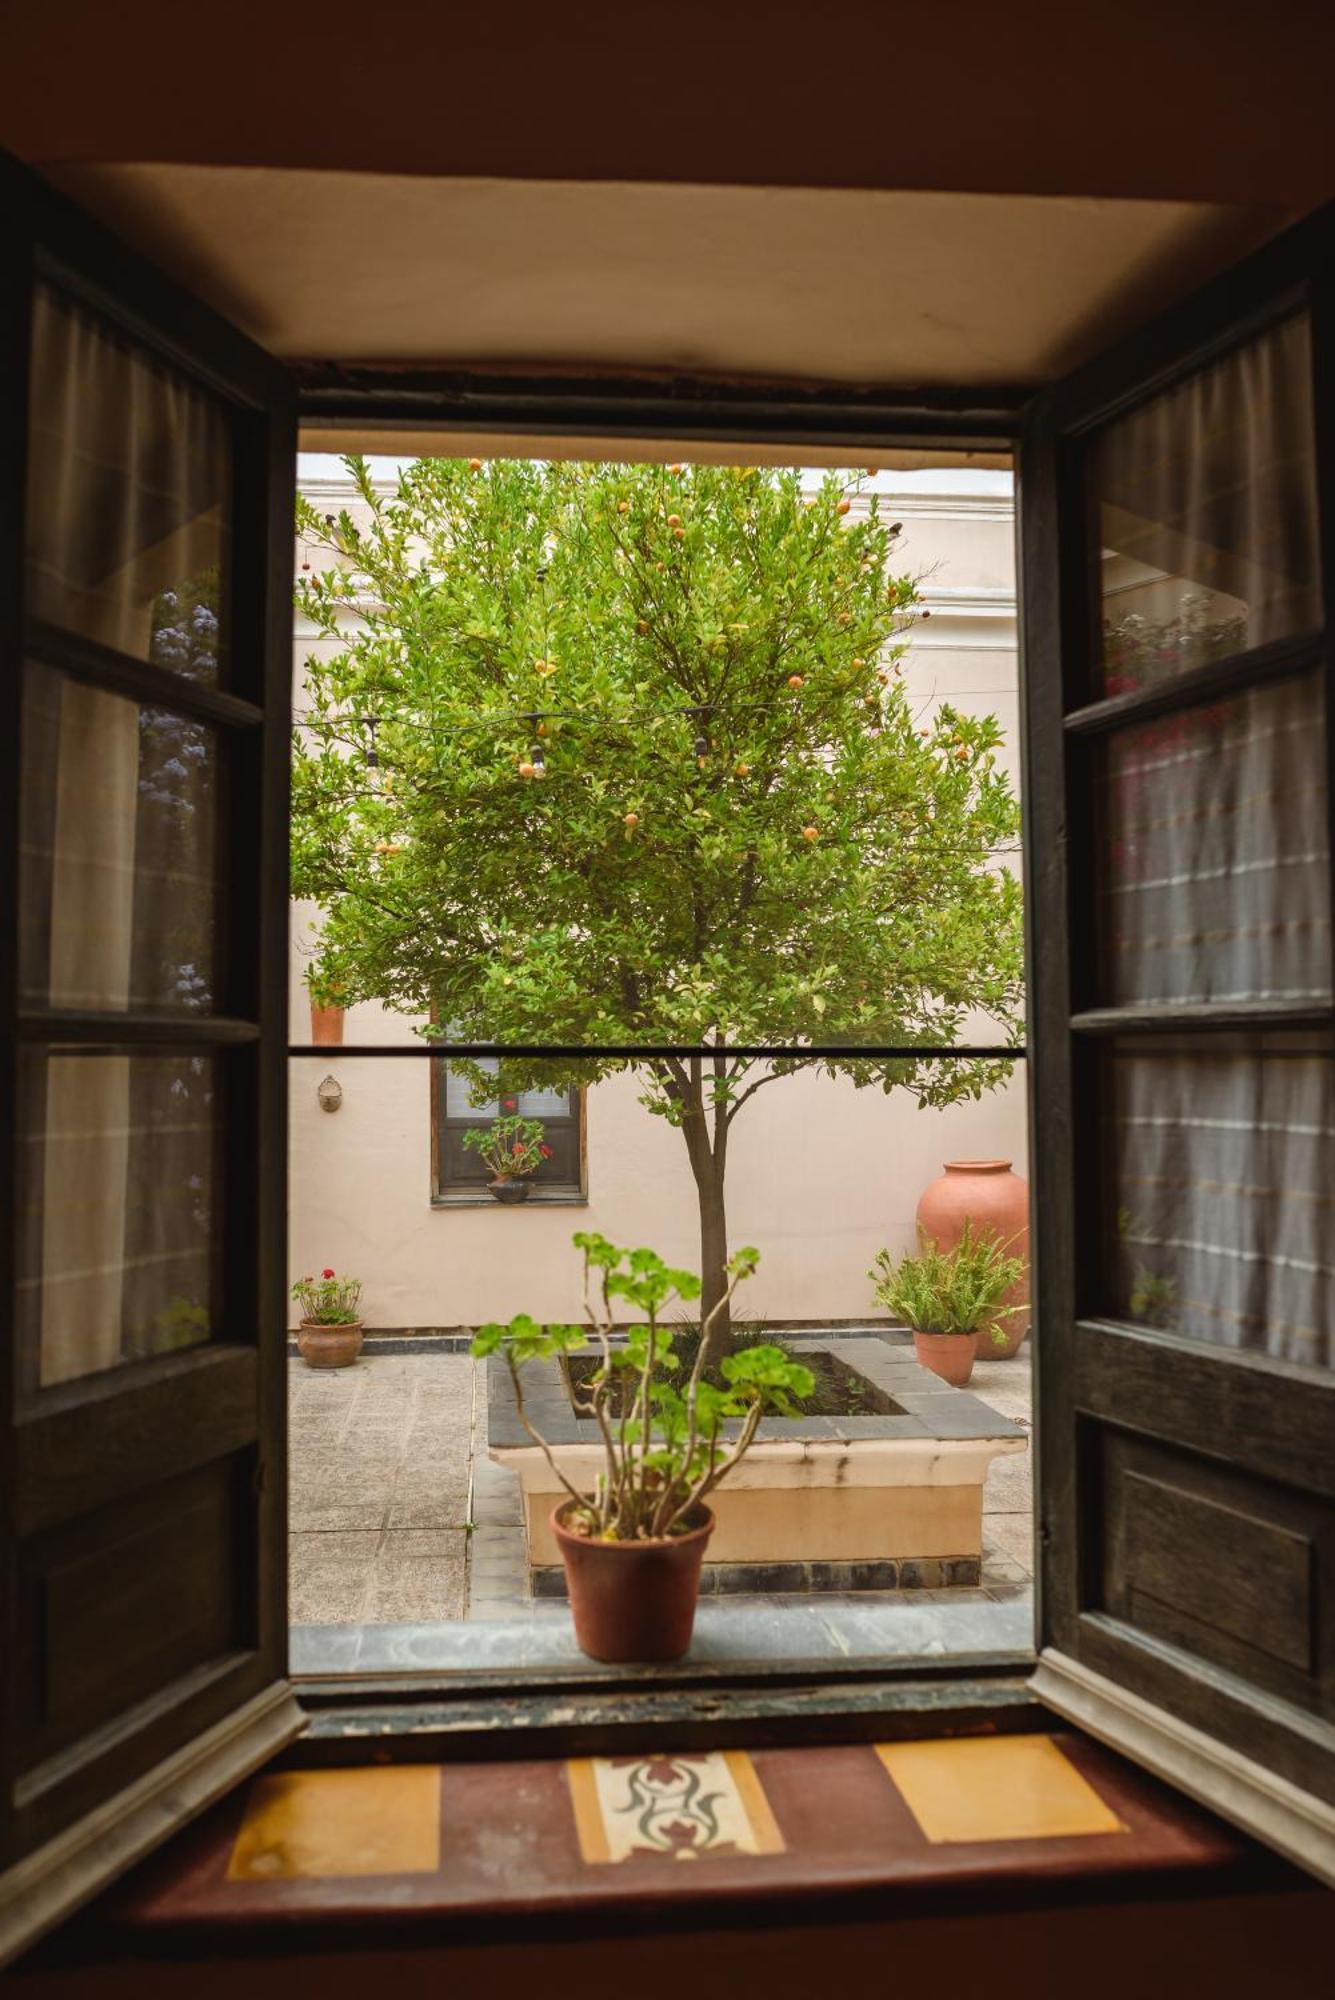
[988,1194]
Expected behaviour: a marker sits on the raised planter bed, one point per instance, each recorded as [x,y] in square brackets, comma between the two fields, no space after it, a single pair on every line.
[821,1503]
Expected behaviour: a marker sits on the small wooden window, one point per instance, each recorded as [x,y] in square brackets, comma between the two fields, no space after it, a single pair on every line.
[459,1170]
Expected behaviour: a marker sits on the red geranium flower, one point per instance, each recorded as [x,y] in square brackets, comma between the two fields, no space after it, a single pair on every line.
[326,1274]
[546,1152]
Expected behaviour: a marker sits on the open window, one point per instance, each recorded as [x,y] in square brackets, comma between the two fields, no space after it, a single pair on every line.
[1177,533]
[147,487]
[1178,524]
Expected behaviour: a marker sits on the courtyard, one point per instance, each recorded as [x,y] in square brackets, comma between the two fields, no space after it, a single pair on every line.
[407,1542]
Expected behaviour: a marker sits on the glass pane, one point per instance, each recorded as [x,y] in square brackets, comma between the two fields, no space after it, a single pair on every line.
[417,1530]
[1214,860]
[119,1220]
[756,786]
[1204,504]
[129,496]
[1223,1182]
[555,1110]
[120,809]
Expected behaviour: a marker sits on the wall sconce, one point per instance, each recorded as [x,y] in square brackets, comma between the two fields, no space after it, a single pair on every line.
[330,1094]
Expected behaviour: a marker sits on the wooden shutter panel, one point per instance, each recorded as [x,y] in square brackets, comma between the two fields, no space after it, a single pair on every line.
[1178,523]
[147,483]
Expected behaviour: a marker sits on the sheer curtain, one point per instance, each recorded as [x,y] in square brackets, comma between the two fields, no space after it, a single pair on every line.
[1204,504]
[128,501]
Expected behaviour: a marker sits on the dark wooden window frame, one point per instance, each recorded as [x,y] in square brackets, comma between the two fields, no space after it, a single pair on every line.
[468,1717]
[1102,1377]
[109,1444]
[458,1192]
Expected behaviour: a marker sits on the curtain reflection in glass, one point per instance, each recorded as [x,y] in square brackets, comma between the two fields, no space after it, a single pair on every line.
[118,1219]
[129,493]
[119,840]
[1203,506]
[1223,1211]
[1214,865]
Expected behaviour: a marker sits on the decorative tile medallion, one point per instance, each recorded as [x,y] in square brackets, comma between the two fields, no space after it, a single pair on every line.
[682,1808]
[302,1824]
[995,1788]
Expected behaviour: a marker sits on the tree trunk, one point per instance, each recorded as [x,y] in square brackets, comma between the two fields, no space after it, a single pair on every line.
[713,1258]
[708,1164]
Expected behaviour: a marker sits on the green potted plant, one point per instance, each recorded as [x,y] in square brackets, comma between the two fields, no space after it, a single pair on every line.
[949,1298]
[513,1148]
[330,1333]
[327,1009]
[633,1547]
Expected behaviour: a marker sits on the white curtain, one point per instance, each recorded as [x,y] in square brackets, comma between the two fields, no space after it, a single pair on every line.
[1204,500]
[127,499]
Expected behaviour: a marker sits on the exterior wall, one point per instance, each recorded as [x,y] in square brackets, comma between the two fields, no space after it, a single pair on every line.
[820,1175]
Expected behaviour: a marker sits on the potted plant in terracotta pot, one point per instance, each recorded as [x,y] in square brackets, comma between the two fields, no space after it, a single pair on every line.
[327,1009]
[632,1548]
[950,1298]
[330,1333]
[513,1148]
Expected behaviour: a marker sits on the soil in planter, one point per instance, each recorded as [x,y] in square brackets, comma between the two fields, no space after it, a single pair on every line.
[840,1390]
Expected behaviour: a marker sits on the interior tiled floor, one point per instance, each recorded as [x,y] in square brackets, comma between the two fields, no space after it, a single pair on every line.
[400,1522]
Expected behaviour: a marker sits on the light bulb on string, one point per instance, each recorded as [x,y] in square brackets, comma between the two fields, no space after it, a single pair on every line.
[538,761]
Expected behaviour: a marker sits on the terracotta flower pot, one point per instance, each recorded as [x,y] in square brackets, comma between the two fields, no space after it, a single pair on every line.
[508,1190]
[327,1026]
[988,1194]
[949,1355]
[633,1601]
[329,1346]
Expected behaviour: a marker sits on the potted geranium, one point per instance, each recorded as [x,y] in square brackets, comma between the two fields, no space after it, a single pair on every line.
[949,1298]
[513,1148]
[330,1333]
[633,1547]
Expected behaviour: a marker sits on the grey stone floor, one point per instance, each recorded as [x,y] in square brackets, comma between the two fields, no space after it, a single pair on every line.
[407,1545]
[378,1482]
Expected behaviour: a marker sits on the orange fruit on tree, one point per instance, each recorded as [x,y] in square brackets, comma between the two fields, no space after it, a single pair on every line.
[642,625]
[623,506]
[742,770]
[858,665]
[475,465]
[674,520]
[843,507]
[526,769]
[811,833]
[632,819]
[796,681]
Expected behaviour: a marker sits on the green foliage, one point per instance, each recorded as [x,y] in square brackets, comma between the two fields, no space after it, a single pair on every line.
[666,1446]
[511,1147]
[823,871]
[949,1291]
[328,1300]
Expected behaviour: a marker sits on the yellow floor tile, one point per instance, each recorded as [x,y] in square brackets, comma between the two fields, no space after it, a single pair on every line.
[995,1788]
[361,1822]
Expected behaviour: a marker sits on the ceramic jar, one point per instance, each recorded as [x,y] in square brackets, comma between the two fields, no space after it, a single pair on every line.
[988,1194]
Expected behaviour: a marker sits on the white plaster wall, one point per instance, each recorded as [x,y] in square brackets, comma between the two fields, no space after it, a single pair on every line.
[820,1175]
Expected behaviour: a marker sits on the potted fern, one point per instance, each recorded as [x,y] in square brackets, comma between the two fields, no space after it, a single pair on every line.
[949,1298]
[633,1548]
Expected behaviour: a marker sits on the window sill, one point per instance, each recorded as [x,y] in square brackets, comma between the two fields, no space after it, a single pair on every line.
[556,1197]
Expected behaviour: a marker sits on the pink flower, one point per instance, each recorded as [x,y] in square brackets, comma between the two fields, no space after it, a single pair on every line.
[546,1152]
[326,1274]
